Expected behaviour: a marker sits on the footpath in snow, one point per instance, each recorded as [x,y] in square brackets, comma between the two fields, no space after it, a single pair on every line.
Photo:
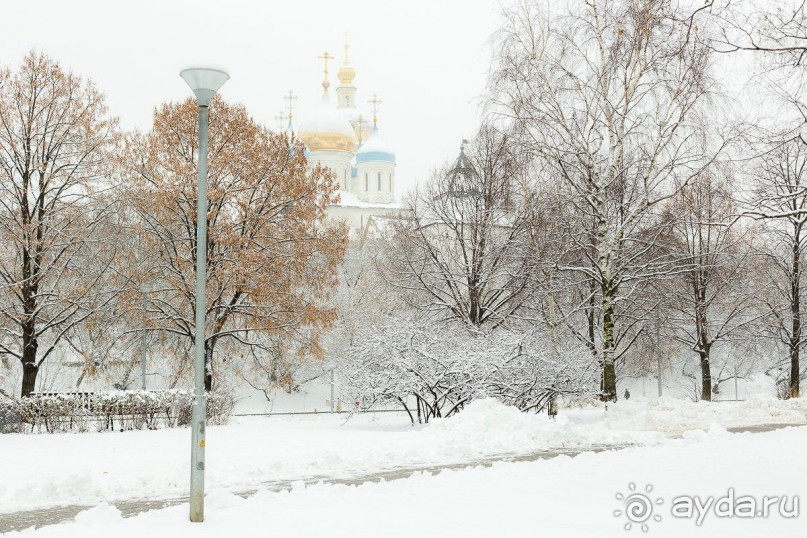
[564,497]
[86,469]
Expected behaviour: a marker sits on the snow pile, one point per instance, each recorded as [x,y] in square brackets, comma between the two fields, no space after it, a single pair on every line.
[107,466]
[569,497]
[89,468]
[502,429]
[677,416]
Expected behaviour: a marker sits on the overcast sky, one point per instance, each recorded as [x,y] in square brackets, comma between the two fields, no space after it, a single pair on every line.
[427,60]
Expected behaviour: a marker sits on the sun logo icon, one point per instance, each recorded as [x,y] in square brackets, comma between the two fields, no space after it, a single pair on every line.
[638,507]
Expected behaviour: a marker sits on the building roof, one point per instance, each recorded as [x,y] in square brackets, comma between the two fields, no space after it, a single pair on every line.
[375,149]
[327,129]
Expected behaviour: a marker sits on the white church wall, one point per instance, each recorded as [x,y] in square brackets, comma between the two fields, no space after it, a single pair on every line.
[376,182]
[338,161]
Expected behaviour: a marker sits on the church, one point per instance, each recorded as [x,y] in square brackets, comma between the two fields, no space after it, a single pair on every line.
[347,139]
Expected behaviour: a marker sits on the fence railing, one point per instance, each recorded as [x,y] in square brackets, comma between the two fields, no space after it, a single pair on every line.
[116,410]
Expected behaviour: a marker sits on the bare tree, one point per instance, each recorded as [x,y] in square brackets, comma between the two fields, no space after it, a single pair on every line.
[465,251]
[780,199]
[714,299]
[605,94]
[779,30]
[56,138]
[570,300]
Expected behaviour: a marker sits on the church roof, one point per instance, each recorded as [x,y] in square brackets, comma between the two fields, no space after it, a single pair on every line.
[375,149]
[327,129]
[462,176]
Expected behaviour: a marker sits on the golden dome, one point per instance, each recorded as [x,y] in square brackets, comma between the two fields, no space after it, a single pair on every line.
[327,129]
[346,74]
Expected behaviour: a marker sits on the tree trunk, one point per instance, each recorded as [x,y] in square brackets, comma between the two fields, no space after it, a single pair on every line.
[608,368]
[30,369]
[794,372]
[29,372]
[704,347]
[795,312]
[706,377]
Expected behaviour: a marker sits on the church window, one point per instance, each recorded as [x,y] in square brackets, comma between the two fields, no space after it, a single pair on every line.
[347,100]
[379,181]
[366,181]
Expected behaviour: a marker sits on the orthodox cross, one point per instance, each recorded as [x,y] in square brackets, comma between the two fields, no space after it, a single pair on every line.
[325,56]
[290,97]
[279,118]
[375,101]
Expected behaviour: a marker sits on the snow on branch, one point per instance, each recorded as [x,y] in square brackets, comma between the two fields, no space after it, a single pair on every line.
[433,371]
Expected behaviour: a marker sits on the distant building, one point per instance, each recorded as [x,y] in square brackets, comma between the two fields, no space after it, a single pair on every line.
[348,140]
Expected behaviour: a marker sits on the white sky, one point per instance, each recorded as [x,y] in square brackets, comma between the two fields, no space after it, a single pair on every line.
[427,60]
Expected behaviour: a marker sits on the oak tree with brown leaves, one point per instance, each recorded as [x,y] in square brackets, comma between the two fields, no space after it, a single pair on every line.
[271,257]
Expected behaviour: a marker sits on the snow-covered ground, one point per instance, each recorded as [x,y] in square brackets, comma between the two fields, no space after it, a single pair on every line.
[90,468]
[563,497]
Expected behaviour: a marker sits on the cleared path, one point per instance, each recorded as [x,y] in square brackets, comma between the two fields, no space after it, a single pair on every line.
[49,516]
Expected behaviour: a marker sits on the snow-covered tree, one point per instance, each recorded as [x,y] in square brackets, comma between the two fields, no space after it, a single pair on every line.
[465,252]
[57,139]
[606,96]
[715,301]
[779,199]
[433,371]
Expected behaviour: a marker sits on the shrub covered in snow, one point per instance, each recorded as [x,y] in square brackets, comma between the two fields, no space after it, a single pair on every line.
[123,410]
[433,371]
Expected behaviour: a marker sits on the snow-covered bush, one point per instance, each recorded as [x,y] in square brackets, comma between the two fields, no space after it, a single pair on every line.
[121,410]
[527,369]
[402,362]
[433,371]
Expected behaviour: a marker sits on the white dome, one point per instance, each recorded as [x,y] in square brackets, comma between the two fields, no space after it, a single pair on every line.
[375,149]
[325,124]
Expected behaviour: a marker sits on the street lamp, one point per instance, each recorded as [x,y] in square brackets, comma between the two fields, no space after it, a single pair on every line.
[204,81]
[144,289]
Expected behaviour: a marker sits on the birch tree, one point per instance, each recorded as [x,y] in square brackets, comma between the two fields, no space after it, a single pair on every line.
[606,94]
[56,141]
[777,30]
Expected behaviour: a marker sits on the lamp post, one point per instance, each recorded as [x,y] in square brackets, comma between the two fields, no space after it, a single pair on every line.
[144,289]
[205,82]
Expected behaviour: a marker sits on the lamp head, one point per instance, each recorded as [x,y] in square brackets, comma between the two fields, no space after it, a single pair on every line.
[204,81]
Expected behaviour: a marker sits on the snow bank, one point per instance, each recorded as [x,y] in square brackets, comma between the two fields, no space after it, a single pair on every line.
[93,467]
[568,497]
[677,416]
[501,429]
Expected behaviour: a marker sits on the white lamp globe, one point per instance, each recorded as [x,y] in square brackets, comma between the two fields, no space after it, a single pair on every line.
[204,81]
